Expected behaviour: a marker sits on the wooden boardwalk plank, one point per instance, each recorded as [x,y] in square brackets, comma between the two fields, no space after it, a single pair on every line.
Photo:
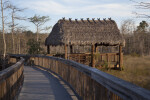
[41,85]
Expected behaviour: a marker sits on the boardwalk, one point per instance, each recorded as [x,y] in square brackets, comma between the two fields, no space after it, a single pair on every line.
[42,85]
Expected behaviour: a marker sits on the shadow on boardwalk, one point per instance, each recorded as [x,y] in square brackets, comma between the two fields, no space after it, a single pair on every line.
[40,84]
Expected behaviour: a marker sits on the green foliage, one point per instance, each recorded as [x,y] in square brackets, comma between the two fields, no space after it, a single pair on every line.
[98,63]
[34,47]
[142,26]
[28,33]
[105,65]
[39,20]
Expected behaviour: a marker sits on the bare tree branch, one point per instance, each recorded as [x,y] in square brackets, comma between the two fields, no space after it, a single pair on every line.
[13,25]
[144,6]
[141,15]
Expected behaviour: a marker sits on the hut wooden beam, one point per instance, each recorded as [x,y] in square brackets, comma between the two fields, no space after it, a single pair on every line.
[92,55]
[66,51]
[48,49]
[71,49]
[120,57]
[96,48]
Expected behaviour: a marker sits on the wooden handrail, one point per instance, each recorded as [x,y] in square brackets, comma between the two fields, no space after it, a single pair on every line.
[11,79]
[91,83]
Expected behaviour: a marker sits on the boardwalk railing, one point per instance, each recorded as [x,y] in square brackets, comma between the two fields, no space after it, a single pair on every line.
[11,80]
[91,83]
[112,59]
[80,58]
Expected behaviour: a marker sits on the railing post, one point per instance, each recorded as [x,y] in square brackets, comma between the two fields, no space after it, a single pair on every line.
[92,55]
[66,52]
[79,60]
[115,58]
[43,62]
[107,57]
[120,57]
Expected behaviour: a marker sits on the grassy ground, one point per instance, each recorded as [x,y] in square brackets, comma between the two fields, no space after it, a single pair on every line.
[136,70]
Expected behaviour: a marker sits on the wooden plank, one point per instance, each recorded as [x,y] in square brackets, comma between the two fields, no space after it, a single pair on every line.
[120,57]
[66,51]
[92,55]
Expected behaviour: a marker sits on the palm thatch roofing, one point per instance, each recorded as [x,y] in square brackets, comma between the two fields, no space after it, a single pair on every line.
[85,32]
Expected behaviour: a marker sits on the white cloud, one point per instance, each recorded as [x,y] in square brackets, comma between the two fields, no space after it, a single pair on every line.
[57,8]
[78,2]
[121,10]
[47,7]
[117,9]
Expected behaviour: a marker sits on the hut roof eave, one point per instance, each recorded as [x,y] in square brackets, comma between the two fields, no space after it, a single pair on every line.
[101,32]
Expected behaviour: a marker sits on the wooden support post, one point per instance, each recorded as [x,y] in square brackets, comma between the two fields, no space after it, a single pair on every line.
[115,58]
[120,57]
[107,57]
[92,55]
[66,51]
[79,58]
[48,50]
[71,49]
[96,48]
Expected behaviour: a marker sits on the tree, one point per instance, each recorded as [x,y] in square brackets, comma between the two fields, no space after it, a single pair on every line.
[19,31]
[47,29]
[3,4]
[3,28]
[142,6]
[38,21]
[127,26]
[28,33]
[142,26]
[14,17]
[34,47]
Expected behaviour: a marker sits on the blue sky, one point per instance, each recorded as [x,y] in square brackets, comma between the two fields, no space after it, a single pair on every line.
[118,10]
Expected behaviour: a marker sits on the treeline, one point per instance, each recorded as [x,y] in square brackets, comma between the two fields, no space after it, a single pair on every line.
[137,39]
[22,42]
[137,42]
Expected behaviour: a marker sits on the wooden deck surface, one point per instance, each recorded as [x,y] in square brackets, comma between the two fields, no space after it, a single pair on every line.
[42,85]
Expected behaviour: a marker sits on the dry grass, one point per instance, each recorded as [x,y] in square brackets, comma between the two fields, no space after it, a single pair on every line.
[136,70]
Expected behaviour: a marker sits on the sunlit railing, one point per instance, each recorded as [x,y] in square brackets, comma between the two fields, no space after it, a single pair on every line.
[91,83]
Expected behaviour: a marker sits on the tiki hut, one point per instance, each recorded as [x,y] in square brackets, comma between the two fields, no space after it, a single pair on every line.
[90,32]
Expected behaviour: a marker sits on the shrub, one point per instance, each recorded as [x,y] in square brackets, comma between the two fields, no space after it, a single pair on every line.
[34,47]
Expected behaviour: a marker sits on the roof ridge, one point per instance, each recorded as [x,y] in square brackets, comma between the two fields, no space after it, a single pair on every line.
[87,20]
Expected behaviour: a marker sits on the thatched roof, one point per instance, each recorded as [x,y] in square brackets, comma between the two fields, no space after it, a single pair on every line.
[85,32]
